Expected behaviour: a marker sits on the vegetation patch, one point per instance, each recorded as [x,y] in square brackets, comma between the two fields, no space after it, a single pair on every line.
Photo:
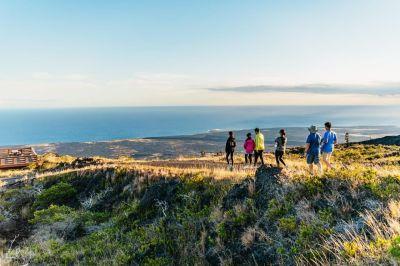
[58,194]
[133,215]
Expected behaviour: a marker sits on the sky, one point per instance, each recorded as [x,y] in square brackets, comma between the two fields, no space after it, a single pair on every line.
[170,53]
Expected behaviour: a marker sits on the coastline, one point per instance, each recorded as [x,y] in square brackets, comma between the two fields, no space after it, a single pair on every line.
[192,145]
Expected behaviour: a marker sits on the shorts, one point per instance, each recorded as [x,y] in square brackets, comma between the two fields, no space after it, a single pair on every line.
[312,158]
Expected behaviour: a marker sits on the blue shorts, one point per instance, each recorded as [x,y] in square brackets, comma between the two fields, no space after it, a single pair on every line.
[312,158]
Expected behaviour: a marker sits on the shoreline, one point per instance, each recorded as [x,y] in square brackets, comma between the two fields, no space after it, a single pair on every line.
[182,145]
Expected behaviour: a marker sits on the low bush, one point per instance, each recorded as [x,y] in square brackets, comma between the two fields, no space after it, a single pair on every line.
[58,194]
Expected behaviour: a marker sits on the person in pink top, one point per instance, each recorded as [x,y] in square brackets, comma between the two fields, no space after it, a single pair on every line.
[249,146]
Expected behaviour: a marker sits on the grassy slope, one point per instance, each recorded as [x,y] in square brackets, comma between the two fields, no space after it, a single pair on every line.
[194,211]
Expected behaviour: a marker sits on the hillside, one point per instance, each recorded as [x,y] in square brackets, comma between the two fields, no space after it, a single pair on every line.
[387,140]
[194,211]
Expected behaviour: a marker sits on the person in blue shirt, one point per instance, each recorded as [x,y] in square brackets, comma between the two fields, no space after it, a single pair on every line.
[328,143]
[312,150]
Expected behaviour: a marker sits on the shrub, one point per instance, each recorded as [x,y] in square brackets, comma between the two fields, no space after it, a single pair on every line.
[387,188]
[287,224]
[394,249]
[57,213]
[53,214]
[310,233]
[312,186]
[158,262]
[326,216]
[277,209]
[350,249]
[59,194]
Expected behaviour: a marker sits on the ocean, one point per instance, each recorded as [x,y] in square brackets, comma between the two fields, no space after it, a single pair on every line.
[38,126]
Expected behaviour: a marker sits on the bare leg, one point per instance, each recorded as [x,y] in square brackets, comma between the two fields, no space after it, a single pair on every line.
[320,170]
[326,157]
[311,169]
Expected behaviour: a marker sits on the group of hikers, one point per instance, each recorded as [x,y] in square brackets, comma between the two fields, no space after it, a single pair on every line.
[316,146]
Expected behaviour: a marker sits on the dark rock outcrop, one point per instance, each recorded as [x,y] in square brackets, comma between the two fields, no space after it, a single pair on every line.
[267,185]
[237,194]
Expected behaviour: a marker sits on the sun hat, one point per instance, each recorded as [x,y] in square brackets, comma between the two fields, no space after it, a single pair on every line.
[313,129]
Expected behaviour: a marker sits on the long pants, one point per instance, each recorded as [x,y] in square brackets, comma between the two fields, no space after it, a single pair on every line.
[229,155]
[258,154]
[248,157]
[279,157]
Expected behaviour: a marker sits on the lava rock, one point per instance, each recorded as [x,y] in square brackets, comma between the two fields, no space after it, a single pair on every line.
[237,194]
[84,162]
[267,185]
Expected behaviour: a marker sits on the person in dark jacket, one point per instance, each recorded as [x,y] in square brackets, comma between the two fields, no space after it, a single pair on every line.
[230,148]
[280,147]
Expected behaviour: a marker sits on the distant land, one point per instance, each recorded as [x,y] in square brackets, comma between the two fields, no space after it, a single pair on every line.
[189,145]
[387,140]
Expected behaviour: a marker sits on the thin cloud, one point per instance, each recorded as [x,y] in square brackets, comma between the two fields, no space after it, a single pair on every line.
[382,89]
[42,75]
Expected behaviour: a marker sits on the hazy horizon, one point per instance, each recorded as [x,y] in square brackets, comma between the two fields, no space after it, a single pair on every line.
[97,124]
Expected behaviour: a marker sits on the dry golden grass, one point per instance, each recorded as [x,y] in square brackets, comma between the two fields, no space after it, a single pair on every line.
[210,166]
[352,247]
[11,173]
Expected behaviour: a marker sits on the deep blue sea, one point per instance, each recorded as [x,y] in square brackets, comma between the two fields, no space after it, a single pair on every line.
[96,124]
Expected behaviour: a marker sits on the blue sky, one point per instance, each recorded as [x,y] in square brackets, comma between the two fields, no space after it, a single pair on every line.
[135,53]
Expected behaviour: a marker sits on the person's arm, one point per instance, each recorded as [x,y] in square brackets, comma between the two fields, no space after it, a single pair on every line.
[307,147]
[324,139]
